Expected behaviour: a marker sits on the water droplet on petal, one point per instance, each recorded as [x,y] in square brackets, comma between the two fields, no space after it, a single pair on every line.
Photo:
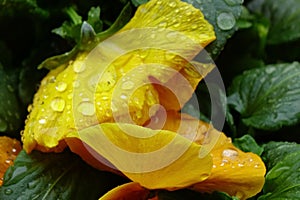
[127,85]
[225,21]
[172,4]
[42,121]
[230,153]
[194,26]
[176,25]
[76,84]
[123,96]
[79,66]
[158,2]
[172,36]
[256,166]
[241,165]
[86,108]
[52,79]
[58,104]
[163,24]
[61,86]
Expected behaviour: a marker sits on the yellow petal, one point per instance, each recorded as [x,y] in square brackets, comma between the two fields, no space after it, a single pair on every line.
[95,86]
[238,173]
[234,171]
[128,191]
[154,159]
[173,15]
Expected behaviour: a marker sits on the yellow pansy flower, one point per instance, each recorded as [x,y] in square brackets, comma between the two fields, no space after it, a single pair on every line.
[106,105]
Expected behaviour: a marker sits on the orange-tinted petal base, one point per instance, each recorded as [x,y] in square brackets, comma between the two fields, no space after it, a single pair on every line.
[128,191]
[9,149]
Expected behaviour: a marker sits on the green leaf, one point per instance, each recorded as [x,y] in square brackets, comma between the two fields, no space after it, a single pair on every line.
[55,176]
[94,19]
[138,2]
[70,29]
[283,180]
[284,17]
[248,144]
[88,40]
[223,15]
[267,98]
[274,152]
[10,116]
[192,195]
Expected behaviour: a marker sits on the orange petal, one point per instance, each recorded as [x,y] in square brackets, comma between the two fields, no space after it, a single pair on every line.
[238,173]
[234,171]
[154,159]
[9,149]
[128,191]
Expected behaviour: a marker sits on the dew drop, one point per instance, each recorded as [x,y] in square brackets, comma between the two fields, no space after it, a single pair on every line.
[172,4]
[52,79]
[127,85]
[158,2]
[163,24]
[229,153]
[241,165]
[123,96]
[8,191]
[256,166]
[86,108]
[225,21]
[79,67]
[76,84]
[176,25]
[104,97]
[3,125]
[8,161]
[33,184]
[234,2]
[194,26]
[61,86]
[58,104]
[172,36]
[42,121]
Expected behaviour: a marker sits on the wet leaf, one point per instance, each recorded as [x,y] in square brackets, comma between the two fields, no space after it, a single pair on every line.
[248,144]
[223,15]
[55,176]
[267,98]
[283,180]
